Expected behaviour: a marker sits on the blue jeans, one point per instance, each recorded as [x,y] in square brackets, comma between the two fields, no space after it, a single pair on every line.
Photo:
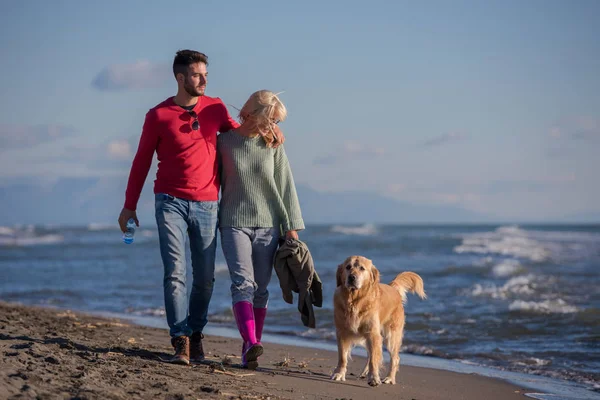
[177,219]
[249,253]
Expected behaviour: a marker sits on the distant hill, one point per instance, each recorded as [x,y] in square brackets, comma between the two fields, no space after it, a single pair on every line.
[74,201]
[362,207]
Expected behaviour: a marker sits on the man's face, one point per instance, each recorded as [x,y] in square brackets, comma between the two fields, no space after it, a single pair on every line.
[195,82]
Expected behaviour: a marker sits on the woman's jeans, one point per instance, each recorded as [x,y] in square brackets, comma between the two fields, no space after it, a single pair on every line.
[249,253]
[178,219]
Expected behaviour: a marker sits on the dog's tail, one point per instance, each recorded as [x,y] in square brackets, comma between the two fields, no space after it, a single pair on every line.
[409,282]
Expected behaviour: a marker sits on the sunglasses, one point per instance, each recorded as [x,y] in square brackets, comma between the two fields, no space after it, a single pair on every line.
[195,124]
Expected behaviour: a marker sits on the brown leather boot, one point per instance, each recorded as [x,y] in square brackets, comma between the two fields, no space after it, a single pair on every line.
[196,349]
[181,344]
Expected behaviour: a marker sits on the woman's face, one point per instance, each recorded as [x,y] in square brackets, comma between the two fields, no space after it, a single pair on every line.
[266,125]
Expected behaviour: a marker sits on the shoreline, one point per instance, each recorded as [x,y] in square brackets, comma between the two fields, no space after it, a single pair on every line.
[128,344]
[544,387]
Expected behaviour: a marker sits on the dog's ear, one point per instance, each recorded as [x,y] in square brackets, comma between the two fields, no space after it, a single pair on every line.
[338,275]
[374,275]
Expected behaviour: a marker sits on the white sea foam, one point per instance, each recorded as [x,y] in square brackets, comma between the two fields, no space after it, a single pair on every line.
[533,361]
[519,285]
[101,227]
[425,350]
[565,236]
[534,245]
[19,241]
[507,268]
[557,306]
[484,261]
[509,241]
[5,230]
[26,235]
[154,312]
[363,230]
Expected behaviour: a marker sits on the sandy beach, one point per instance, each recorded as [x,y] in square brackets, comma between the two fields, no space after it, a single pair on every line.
[56,354]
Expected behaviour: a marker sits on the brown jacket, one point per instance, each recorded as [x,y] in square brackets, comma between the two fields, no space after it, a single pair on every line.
[296,272]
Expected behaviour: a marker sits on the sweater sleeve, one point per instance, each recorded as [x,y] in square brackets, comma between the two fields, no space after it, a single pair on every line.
[287,190]
[141,162]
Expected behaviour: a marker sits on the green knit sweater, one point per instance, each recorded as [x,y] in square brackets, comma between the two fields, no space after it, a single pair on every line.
[257,187]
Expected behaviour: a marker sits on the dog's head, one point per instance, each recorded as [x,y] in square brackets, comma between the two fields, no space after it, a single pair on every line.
[357,272]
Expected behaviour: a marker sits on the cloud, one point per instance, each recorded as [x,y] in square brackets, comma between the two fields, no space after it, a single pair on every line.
[119,150]
[445,138]
[350,151]
[576,128]
[113,154]
[139,75]
[24,136]
[395,188]
[109,154]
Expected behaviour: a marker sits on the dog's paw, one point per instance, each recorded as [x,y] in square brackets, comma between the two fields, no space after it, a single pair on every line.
[374,381]
[338,377]
[389,381]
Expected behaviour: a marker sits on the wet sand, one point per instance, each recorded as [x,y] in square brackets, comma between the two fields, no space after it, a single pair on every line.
[54,354]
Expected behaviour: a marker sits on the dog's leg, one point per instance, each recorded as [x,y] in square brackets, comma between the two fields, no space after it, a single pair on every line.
[344,347]
[394,344]
[365,371]
[374,348]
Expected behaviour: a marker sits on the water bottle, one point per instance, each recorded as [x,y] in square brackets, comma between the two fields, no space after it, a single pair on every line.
[128,235]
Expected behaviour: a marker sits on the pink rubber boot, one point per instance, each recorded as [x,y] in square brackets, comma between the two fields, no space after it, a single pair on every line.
[251,349]
[259,318]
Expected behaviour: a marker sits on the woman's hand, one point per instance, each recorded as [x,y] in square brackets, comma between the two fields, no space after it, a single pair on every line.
[291,235]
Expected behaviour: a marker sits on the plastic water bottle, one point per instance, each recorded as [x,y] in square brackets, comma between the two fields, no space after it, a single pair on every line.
[128,235]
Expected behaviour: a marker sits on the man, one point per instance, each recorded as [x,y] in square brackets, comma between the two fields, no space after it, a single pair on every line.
[183,132]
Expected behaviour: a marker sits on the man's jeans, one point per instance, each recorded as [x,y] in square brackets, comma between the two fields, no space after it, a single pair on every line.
[176,219]
[249,253]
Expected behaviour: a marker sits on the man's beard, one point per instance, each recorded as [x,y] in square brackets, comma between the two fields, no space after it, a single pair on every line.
[192,91]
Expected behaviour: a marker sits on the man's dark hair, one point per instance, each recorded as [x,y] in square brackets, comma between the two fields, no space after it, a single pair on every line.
[184,58]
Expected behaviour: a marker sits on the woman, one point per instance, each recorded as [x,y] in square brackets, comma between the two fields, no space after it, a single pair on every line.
[258,204]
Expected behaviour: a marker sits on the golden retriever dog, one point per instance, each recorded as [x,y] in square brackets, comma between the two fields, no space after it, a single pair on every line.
[366,312]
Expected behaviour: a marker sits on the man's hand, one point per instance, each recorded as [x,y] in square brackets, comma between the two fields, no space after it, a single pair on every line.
[291,235]
[124,217]
[279,138]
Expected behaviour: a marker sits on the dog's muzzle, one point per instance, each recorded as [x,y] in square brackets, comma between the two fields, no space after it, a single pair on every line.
[351,282]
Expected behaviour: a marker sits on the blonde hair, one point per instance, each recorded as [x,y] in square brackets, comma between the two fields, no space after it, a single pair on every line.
[264,107]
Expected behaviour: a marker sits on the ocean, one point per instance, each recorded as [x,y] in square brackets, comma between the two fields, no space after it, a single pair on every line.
[511,297]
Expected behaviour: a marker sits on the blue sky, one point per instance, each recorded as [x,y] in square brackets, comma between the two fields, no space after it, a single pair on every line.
[492,106]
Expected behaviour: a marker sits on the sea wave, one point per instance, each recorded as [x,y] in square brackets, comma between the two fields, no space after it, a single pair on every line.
[507,268]
[101,227]
[27,235]
[362,230]
[531,244]
[520,285]
[5,230]
[147,312]
[22,241]
[555,306]
[423,351]
[319,333]
[508,241]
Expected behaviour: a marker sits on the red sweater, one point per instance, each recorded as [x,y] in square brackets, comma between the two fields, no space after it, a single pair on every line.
[187,159]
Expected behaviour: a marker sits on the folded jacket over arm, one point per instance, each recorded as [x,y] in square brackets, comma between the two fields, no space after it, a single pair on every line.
[296,272]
